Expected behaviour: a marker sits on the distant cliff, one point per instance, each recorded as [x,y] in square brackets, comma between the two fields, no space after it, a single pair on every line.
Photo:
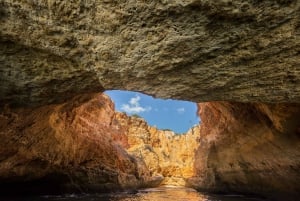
[164,152]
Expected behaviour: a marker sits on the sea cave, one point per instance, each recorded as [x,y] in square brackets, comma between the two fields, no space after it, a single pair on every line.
[237,60]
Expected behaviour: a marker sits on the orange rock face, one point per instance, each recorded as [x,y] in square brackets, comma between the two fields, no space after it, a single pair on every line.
[249,148]
[76,146]
[164,152]
[84,145]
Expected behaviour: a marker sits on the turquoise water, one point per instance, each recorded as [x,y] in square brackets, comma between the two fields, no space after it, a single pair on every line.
[152,194]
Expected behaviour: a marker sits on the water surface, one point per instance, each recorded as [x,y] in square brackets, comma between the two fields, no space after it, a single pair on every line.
[151,194]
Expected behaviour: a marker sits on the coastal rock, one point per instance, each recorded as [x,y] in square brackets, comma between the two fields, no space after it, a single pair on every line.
[72,147]
[164,153]
[244,53]
[83,145]
[249,148]
[197,50]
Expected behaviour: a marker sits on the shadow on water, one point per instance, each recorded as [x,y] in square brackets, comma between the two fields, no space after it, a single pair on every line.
[152,194]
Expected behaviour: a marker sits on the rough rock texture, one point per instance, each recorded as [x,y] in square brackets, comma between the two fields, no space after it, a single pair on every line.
[223,50]
[76,146]
[249,148]
[164,152]
[198,50]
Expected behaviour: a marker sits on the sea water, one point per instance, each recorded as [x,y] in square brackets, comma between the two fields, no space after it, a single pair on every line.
[151,194]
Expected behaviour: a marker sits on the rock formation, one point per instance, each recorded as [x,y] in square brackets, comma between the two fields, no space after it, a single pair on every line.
[77,146]
[165,153]
[249,148]
[242,52]
[83,145]
[223,50]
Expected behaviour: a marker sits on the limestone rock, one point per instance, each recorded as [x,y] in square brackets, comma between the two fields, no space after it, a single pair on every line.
[77,146]
[249,148]
[197,50]
[83,145]
[245,51]
[164,152]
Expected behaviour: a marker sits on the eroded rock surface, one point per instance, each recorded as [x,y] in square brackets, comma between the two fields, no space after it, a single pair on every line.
[83,145]
[223,50]
[249,148]
[165,153]
[72,147]
[197,50]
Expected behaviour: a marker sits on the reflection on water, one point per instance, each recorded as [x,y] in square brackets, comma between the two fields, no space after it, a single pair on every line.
[153,194]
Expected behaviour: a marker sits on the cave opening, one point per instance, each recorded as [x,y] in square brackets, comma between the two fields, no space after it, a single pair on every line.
[164,114]
[161,135]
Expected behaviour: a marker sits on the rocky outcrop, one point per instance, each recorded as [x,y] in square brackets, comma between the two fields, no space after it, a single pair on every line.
[77,146]
[249,148]
[164,153]
[223,50]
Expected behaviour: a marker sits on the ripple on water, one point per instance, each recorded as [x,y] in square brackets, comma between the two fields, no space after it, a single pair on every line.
[151,194]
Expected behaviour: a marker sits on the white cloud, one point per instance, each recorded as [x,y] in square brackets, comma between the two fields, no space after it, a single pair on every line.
[135,100]
[180,110]
[134,106]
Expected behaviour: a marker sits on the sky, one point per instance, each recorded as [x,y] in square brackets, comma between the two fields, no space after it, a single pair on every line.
[175,115]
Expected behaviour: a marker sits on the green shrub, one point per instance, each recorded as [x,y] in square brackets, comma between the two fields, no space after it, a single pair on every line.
[137,116]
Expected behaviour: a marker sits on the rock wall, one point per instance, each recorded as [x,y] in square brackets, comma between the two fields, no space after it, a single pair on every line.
[72,147]
[165,153]
[244,51]
[249,148]
[83,145]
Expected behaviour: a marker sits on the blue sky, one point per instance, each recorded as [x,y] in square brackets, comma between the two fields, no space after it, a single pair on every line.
[178,116]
